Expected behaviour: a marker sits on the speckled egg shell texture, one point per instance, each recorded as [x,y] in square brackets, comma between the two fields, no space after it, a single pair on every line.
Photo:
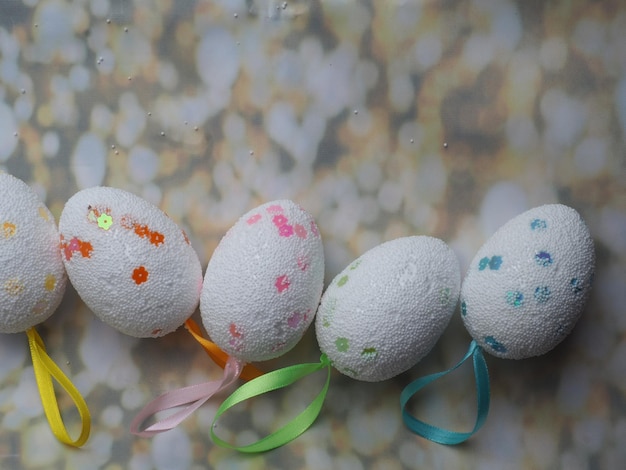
[386,310]
[527,285]
[264,281]
[32,276]
[129,262]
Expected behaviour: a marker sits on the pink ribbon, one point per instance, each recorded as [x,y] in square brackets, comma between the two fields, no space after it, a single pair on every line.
[193,396]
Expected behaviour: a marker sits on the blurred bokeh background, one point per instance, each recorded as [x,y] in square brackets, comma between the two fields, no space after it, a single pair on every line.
[382,119]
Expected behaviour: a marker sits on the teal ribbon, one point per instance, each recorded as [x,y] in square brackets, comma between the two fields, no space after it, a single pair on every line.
[440,435]
[273,381]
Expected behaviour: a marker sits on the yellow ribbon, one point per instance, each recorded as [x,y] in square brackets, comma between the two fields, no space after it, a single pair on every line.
[45,370]
[219,357]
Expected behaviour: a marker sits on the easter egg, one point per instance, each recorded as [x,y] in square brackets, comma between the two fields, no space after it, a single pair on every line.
[32,276]
[386,310]
[527,285]
[264,281]
[129,262]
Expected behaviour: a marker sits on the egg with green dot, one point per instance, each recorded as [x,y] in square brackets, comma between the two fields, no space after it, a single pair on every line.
[129,262]
[528,300]
[386,310]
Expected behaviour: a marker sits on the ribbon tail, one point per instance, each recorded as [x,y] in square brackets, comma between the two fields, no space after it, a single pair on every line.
[216,354]
[440,435]
[45,370]
[193,396]
[273,381]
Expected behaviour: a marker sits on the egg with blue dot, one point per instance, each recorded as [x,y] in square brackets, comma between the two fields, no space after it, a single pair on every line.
[385,311]
[32,276]
[527,285]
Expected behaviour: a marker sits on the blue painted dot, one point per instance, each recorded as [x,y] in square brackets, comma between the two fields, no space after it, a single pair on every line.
[483,263]
[495,262]
[463,308]
[543,258]
[496,345]
[514,298]
[542,294]
[576,285]
[538,224]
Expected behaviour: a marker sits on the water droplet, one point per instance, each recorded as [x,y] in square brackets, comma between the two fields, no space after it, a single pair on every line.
[149,114]
[412,141]
[117,152]
[195,128]
[162,134]
[126,30]
[445,145]
[356,111]
[130,78]
[36,25]
[251,152]
[108,20]
[186,122]
[284,5]
[113,146]
[236,15]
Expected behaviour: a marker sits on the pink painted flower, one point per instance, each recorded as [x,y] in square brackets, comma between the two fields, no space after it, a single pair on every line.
[285,230]
[74,244]
[275,209]
[294,320]
[279,220]
[282,283]
[254,219]
[300,230]
[303,262]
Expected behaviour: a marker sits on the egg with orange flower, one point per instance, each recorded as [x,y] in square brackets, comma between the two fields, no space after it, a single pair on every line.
[131,264]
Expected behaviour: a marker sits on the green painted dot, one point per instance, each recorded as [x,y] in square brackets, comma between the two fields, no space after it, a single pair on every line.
[342,344]
[342,281]
[355,265]
[444,296]
[369,353]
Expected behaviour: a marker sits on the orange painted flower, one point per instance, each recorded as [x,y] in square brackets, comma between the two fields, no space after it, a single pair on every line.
[140,275]
[142,230]
[156,238]
[85,249]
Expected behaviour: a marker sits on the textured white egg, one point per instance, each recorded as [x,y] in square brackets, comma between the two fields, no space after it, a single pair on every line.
[386,310]
[528,284]
[129,262]
[32,276]
[264,282]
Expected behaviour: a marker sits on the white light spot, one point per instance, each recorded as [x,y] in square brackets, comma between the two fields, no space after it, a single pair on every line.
[89,161]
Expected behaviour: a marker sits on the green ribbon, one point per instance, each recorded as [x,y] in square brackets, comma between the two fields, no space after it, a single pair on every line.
[275,380]
[443,436]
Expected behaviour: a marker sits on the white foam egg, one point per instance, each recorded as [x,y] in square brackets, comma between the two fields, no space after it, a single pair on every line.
[129,262]
[527,285]
[386,310]
[32,276]
[264,282]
